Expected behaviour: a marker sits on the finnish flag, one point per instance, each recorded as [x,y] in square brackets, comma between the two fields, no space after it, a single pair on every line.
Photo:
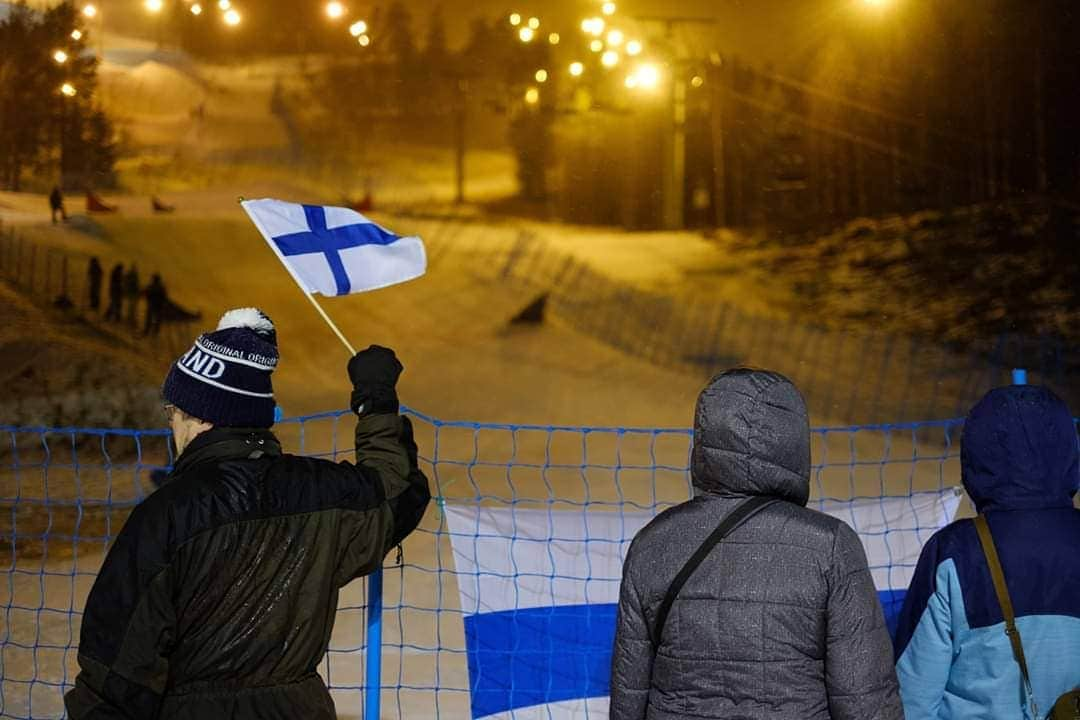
[334,250]
[539,591]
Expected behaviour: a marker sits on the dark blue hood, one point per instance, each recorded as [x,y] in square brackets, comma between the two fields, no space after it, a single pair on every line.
[1019,450]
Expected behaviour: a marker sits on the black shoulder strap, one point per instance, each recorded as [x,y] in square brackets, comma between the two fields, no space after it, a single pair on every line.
[742,512]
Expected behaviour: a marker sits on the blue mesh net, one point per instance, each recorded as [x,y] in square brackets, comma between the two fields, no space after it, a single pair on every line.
[503,601]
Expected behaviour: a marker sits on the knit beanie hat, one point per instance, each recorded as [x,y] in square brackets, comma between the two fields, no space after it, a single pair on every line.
[224,379]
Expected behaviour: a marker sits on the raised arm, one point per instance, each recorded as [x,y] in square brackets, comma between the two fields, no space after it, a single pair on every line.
[385,450]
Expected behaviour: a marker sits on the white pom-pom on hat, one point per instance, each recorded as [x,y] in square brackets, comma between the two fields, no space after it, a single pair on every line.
[248,317]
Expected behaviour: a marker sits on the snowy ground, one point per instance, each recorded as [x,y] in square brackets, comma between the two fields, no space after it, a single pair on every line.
[463,360]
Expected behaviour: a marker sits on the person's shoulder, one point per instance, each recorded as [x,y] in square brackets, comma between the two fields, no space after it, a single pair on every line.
[957,540]
[805,527]
[666,522]
[306,484]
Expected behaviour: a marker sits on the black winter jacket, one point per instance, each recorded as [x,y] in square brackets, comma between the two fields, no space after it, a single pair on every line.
[218,597]
[781,620]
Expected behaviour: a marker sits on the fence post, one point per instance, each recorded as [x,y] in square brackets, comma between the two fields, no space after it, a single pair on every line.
[48,274]
[18,262]
[33,266]
[64,279]
[373,686]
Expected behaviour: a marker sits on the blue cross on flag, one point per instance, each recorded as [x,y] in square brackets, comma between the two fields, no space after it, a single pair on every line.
[334,250]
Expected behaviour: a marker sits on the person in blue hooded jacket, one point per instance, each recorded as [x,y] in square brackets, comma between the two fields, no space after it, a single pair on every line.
[1019,466]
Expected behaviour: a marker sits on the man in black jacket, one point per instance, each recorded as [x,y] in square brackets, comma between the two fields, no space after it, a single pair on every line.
[218,597]
[781,619]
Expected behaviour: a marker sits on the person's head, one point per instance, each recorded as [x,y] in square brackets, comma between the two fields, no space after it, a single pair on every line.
[752,437]
[224,379]
[1019,451]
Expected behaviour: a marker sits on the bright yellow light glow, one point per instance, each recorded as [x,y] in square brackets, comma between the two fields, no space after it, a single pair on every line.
[615,38]
[648,76]
[534,22]
[610,59]
[576,69]
[609,8]
[224,4]
[633,47]
[541,76]
[876,3]
[153,6]
[526,34]
[196,9]
[358,28]
[60,57]
[334,10]
[596,45]
[68,89]
[631,81]
[76,34]
[89,11]
[697,81]
[515,19]
[553,38]
[232,18]
[593,26]
[532,96]
[364,40]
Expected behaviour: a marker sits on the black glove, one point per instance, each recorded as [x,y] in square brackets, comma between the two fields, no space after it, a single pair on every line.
[374,373]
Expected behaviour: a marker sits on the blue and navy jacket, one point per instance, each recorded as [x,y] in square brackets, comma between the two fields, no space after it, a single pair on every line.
[1019,465]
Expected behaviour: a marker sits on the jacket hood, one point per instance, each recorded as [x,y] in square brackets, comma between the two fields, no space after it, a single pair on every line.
[752,437]
[1019,450]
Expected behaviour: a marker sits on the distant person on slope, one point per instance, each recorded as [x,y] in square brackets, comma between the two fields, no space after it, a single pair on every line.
[131,294]
[116,293]
[782,621]
[56,204]
[156,297]
[955,659]
[94,275]
[218,597]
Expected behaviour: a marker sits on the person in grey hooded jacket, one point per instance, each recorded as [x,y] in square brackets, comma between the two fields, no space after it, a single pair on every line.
[781,620]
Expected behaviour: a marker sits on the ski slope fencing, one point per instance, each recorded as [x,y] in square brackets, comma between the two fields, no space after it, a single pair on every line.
[503,604]
[58,278]
[846,376]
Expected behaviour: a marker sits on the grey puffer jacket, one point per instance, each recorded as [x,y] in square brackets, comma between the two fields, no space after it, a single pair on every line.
[781,620]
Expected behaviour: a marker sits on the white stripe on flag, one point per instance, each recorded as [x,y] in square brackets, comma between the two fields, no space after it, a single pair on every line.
[539,591]
[333,250]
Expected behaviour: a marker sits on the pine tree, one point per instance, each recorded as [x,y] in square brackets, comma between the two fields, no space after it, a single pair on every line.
[43,131]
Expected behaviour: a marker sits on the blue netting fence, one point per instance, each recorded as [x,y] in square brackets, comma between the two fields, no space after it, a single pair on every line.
[504,600]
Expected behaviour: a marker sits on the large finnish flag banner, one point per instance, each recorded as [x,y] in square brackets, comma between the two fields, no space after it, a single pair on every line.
[334,250]
[539,591]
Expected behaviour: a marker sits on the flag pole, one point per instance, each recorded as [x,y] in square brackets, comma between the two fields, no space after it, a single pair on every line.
[299,283]
[341,337]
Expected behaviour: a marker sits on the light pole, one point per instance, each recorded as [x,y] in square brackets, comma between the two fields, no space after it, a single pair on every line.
[154,7]
[674,178]
[91,12]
